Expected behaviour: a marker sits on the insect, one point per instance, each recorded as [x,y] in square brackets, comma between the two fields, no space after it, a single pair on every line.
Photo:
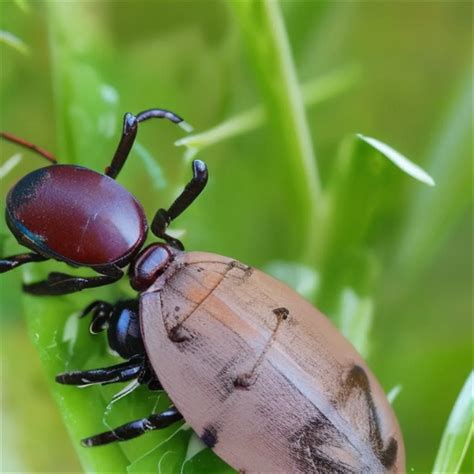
[262,376]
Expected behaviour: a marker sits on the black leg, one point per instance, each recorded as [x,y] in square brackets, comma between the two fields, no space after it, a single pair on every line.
[9,263]
[63,284]
[19,141]
[135,428]
[192,190]
[117,373]
[129,133]
[101,312]
[148,377]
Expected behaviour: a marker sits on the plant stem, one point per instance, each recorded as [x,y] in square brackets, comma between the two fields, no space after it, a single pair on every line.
[263,27]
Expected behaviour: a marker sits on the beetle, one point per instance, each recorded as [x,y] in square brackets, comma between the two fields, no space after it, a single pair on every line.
[262,376]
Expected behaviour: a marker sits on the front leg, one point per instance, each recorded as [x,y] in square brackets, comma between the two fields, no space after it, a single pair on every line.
[63,284]
[101,312]
[9,263]
[129,133]
[192,190]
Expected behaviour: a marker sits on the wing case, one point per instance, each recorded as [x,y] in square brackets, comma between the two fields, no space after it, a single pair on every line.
[262,376]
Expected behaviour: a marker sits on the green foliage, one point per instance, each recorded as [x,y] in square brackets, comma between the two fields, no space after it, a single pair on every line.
[314,92]
[11,40]
[448,158]
[457,435]
[347,226]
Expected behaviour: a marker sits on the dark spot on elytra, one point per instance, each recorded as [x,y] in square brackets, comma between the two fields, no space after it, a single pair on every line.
[281,313]
[357,380]
[244,381]
[225,386]
[358,377]
[389,454]
[177,308]
[245,268]
[178,334]
[314,445]
[209,436]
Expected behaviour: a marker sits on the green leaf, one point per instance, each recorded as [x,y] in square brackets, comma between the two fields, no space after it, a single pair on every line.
[13,41]
[206,461]
[83,409]
[399,160]
[392,395]
[11,163]
[167,457]
[458,432]
[363,189]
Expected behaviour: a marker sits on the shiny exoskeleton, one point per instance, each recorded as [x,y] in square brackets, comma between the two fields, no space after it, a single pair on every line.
[86,219]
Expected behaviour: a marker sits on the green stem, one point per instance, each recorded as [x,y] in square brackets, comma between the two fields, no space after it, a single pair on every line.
[264,29]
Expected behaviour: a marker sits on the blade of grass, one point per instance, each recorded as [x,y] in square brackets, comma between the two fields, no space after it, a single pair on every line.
[433,215]
[13,41]
[407,166]
[361,189]
[82,410]
[263,27]
[392,395]
[314,92]
[458,432]
[11,163]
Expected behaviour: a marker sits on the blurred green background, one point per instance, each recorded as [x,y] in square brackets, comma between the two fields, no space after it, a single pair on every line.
[364,241]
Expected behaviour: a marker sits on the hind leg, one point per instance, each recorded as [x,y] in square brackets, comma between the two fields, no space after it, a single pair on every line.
[135,428]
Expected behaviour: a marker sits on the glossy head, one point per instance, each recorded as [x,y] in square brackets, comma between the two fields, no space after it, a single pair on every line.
[76,215]
[150,264]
